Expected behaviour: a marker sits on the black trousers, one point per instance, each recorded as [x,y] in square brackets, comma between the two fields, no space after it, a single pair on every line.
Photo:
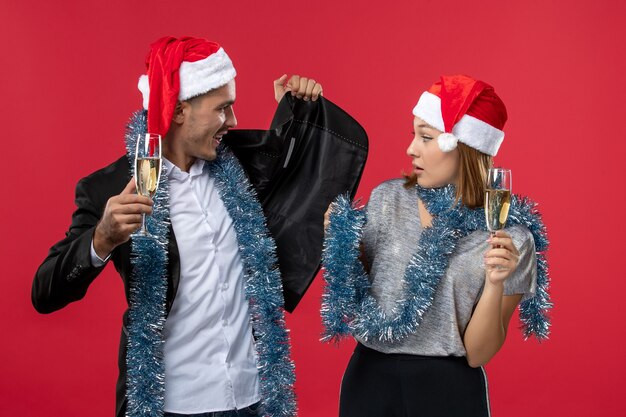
[376,384]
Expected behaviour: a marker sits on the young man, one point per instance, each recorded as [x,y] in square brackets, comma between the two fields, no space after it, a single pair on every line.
[205,329]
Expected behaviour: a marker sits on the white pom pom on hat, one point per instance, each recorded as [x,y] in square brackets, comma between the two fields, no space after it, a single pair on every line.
[447,142]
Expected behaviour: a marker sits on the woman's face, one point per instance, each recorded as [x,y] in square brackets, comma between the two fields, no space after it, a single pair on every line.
[433,167]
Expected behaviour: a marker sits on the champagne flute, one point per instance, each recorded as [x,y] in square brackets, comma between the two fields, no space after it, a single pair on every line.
[497,198]
[147,170]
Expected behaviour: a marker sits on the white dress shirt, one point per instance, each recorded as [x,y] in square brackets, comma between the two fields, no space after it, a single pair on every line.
[209,356]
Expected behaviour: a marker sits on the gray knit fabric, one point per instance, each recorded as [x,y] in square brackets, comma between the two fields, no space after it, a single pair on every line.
[390,238]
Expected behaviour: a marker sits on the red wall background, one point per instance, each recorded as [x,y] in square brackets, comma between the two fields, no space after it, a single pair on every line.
[69,73]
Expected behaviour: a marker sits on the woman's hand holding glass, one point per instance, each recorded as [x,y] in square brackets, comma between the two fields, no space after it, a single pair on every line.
[501,259]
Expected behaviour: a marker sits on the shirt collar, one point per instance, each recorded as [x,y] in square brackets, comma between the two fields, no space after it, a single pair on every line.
[173,172]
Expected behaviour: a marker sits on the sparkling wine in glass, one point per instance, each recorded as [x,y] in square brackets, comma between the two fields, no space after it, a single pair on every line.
[147,170]
[497,198]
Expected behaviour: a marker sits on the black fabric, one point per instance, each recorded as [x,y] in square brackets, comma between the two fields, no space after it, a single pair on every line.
[253,410]
[376,384]
[312,152]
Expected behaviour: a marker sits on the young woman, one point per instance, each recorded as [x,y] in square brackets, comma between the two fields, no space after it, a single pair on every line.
[417,279]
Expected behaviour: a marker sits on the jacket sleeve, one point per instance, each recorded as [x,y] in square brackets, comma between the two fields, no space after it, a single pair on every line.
[67,272]
[313,152]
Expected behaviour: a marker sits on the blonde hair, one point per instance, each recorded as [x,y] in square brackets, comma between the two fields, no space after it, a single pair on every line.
[472,175]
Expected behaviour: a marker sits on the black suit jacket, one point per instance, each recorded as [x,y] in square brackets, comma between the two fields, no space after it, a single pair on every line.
[312,152]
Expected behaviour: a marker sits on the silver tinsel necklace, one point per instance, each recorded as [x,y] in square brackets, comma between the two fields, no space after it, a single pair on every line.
[349,308]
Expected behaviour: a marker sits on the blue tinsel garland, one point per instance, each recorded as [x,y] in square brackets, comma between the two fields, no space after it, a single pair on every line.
[347,305]
[145,380]
[263,286]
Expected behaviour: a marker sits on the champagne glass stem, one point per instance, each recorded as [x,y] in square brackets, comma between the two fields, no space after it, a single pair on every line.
[144,230]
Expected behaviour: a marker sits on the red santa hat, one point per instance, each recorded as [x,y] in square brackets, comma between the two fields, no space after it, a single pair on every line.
[179,69]
[466,110]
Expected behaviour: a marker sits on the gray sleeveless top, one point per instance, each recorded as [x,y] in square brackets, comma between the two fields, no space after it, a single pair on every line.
[390,237]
